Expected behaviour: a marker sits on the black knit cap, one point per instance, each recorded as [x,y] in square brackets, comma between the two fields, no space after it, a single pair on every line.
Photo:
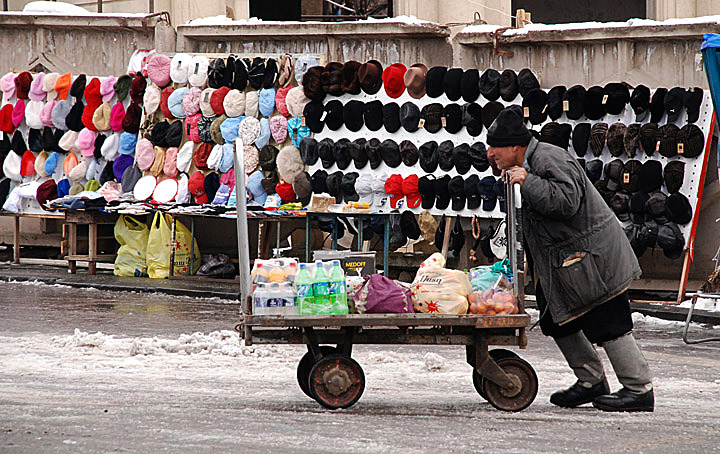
[313,112]
[508,85]
[319,181]
[35,143]
[461,158]
[353,115]
[391,117]
[333,114]
[673,103]
[527,82]
[650,176]
[451,83]
[410,116]
[490,111]
[594,108]
[668,140]
[554,108]
[325,152]
[341,154]
[657,105]
[640,102]
[470,85]
[580,138]
[445,158]
[691,141]
[432,115]
[534,106]
[674,175]
[478,157]
[508,129]
[409,153]
[678,208]
[442,195]
[649,137]
[472,118]
[309,151]
[373,115]
[372,150]
[390,152]
[428,153]
[489,84]
[692,101]
[617,96]
[453,114]
[574,102]
[434,81]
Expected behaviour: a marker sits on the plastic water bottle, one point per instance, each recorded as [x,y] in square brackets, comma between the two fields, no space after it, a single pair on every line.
[259,275]
[304,290]
[287,295]
[275,303]
[321,290]
[338,290]
[260,296]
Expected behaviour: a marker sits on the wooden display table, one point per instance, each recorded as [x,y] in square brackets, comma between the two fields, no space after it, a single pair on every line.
[92,219]
[16,230]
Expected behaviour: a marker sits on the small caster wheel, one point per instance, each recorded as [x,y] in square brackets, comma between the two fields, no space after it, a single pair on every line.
[526,386]
[337,381]
[305,366]
[495,354]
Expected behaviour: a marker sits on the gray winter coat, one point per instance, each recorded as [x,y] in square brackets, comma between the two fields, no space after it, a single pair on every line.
[580,252]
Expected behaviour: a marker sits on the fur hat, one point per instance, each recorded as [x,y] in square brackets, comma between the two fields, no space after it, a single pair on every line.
[180,68]
[117,114]
[48,84]
[191,102]
[234,103]
[46,113]
[278,128]
[295,100]
[158,70]
[101,117]
[36,88]
[289,163]
[197,74]
[107,88]
[32,114]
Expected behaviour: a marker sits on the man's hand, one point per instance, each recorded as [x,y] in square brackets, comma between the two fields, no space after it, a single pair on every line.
[516,174]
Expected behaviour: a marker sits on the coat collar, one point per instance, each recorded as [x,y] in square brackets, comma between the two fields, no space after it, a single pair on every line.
[530,150]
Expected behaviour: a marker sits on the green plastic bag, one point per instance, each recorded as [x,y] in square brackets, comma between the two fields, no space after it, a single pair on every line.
[159,246]
[133,238]
[485,277]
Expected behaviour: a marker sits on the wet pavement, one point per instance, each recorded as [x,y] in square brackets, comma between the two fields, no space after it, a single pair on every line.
[95,371]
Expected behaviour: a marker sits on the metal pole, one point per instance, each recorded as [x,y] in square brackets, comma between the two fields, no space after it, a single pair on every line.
[242,230]
[151,6]
[386,245]
[5,5]
[308,223]
[99,6]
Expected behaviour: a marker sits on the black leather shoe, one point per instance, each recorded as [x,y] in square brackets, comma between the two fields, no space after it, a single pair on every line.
[577,394]
[626,400]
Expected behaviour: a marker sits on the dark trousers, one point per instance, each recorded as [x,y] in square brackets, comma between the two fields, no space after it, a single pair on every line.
[603,323]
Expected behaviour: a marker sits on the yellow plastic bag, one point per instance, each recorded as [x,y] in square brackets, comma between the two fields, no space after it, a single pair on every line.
[133,237]
[159,245]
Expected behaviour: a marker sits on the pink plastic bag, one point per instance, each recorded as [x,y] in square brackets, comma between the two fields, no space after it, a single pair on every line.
[384,296]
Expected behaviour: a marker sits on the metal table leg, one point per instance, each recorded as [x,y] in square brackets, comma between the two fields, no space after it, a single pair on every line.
[173,244]
[308,223]
[192,246]
[386,245]
[689,318]
[360,233]
[334,233]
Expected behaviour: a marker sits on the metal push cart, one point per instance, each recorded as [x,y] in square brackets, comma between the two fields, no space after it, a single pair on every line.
[329,374]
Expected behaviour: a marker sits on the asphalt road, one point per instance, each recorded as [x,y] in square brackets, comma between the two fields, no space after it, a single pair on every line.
[102,372]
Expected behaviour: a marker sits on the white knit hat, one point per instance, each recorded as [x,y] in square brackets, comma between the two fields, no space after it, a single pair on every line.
[197,74]
[213,161]
[184,156]
[109,148]
[180,68]
[234,103]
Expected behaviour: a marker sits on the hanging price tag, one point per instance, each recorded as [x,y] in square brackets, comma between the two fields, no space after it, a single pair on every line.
[566,106]
[604,101]
[544,108]
[681,148]
[324,114]
[443,121]
[626,178]
[657,146]
[207,97]
[302,121]
[421,123]
[526,112]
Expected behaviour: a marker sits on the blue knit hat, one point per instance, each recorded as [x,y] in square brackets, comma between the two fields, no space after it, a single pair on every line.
[127,145]
[266,102]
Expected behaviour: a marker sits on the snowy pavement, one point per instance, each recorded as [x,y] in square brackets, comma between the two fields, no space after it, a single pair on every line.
[85,371]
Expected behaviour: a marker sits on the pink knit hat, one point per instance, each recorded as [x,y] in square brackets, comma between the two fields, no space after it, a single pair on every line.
[278,128]
[107,88]
[86,142]
[228,178]
[144,154]
[36,88]
[18,112]
[46,113]
[7,85]
[116,117]
[280,100]
[191,101]
[158,70]
[170,166]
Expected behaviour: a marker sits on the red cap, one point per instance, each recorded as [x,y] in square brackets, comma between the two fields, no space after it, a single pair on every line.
[411,191]
[87,116]
[22,85]
[27,165]
[164,95]
[6,124]
[393,188]
[285,191]
[394,79]
[201,154]
[216,100]
[196,186]
[92,92]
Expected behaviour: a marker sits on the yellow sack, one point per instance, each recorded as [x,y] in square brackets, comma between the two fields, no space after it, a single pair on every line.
[439,290]
[133,238]
[159,244]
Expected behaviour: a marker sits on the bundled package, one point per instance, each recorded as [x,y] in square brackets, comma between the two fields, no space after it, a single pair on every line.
[437,289]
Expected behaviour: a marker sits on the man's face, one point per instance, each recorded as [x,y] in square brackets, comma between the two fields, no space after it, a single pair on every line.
[506,157]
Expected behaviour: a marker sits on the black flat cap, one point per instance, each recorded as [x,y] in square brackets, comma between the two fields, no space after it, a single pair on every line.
[580,138]
[657,105]
[594,107]
[428,156]
[650,138]
[673,103]
[554,108]
[373,115]
[313,112]
[650,176]
[616,139]
[319,181]
[678,208]
[616,97]
[692,100]
[470,85]
[356,149]
[347,184]
[478,156]
[445,160]
[674,175]
[442,195]
[334,188]
[334,114]
[451,83]
[527,82]
[461,158]
[453,114]
[409,153]
[325,152]
[390,152]
[690,141]
[594,169]
[410,116]
[574,102]
[472,118]
[489,84]
[508,85]
[353,115]
[434,81]
[391,117]
[490,111]
[372,150]
[534,106]
[640,102]
[669,140]
[432,115]
[341,154]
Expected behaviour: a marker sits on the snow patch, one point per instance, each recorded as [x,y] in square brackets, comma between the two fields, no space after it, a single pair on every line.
[704,304]
[433,361]
[224,20]
[55,8]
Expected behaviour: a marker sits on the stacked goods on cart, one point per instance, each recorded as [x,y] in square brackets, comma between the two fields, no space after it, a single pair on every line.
[273,291]
[492,290]
[378,294]
[321,289]
[437,289]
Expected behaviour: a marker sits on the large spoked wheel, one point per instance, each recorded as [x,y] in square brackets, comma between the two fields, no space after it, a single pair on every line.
[526,386]
[337,381]
[305,366]
[496,354]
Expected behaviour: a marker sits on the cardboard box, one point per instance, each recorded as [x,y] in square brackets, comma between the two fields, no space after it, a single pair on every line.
[354,263]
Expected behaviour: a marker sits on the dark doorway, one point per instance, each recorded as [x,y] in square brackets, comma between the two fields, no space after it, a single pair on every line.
[275,9]
[565,11]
